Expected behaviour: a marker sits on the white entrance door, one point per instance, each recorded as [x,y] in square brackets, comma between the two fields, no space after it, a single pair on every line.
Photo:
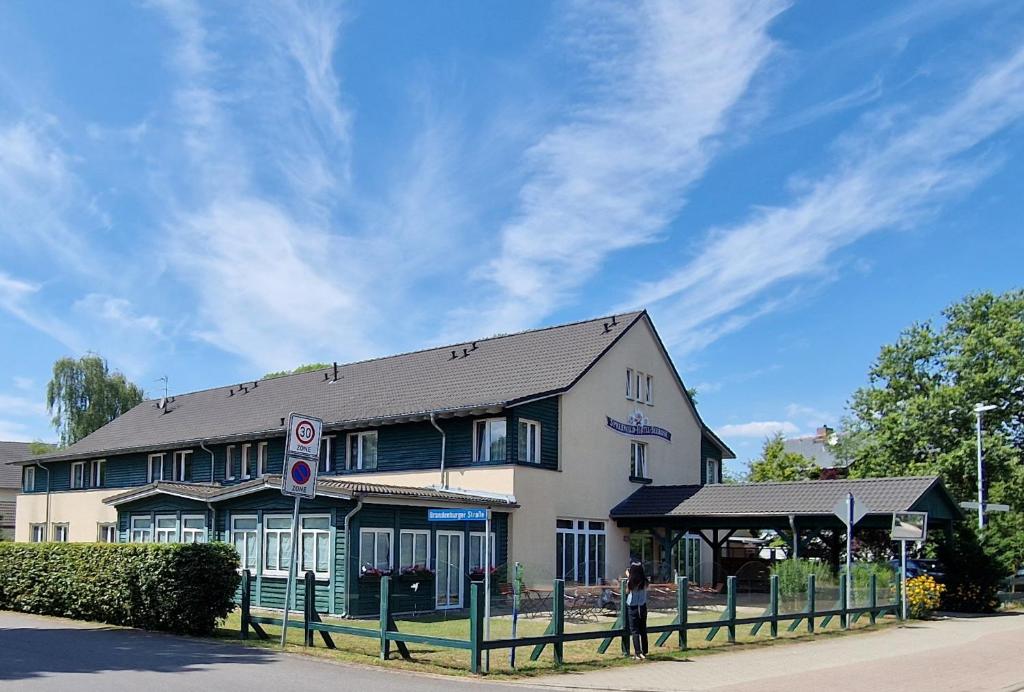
[448,582]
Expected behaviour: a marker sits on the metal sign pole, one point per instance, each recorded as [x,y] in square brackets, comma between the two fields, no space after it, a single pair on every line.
[849,554]
[487,588]
[903,577]
[290,587]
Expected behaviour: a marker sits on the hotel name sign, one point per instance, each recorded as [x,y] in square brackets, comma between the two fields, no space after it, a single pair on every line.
[637,425]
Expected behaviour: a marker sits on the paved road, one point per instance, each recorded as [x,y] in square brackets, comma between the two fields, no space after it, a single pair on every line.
[55,654]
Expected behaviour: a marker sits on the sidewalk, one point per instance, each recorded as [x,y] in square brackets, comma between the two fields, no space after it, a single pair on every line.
[969,653]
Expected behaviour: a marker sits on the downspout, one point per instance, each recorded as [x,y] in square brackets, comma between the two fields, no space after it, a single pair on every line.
[202,446]
[47,500]
[348,557]
[433,421]
[211,535]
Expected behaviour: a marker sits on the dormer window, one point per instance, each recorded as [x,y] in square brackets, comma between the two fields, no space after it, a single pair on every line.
[711,471]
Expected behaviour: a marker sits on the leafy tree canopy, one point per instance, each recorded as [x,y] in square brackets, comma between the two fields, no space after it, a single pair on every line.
[84,395]
[37,447]
[916,416]
[302,368]
[776,464]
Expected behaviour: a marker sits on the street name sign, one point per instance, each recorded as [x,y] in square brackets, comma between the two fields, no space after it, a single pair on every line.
[456,514]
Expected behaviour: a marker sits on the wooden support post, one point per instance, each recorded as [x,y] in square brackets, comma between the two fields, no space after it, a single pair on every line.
[682,608]
[624,617]
[844,620]
[730,606]
[773,604]
[873,595]
[558,618]
[308,606]
[476,626]
[385,616]
[810,603]
[246,596]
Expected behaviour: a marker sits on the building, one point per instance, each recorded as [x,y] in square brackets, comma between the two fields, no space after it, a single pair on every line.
[10,484]
[549,428]
[818,448]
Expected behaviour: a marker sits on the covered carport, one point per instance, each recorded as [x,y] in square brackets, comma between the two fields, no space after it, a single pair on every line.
[793,509]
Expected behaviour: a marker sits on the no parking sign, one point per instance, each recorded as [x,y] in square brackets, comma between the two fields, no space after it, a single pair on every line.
[302,456]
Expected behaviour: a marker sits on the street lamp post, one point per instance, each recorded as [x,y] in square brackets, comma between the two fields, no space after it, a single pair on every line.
[980,409]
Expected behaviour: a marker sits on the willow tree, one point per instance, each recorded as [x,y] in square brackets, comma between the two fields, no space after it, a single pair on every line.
[84,395]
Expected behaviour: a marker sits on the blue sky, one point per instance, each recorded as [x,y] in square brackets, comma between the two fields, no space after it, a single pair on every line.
[210,191]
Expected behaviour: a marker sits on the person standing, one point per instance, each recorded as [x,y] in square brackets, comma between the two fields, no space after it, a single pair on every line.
[636,605]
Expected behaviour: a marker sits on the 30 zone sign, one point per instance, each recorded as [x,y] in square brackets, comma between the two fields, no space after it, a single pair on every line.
[304,435]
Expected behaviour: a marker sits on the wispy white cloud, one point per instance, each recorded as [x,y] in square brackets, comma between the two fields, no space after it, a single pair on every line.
[808,416]
[119,313]
[894,171]
[15,405]
[758,429]
[663,80]
[16,298]
[24,383]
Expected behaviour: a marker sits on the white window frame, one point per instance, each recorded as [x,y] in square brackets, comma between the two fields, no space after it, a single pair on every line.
[638,378]
[710,463]
[644,448]
[585,533]
[533,429]
[327,453]
[376,531]
[414,533]
[243,554]
[629,383]
[28,479]
[106,532]
[185,533]
[33,530]
[359,463]
[157,531]
[282,558]
[262,449]
[303,532]
[61,531]
[78,483]
[178,467]
[149,467]
[649,390]
[145,534]
[487,431]
[470,557]
[98,473]
[246,458]
[229,463]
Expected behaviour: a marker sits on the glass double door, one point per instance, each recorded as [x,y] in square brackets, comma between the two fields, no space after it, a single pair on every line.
[448,580]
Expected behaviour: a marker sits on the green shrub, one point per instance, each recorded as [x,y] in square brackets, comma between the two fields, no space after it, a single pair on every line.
[793,575]
[972,572]
[885,575]
[183,588]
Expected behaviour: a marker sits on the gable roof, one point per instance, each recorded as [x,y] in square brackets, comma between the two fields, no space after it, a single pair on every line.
[803,498]
[485,375]
[10,452]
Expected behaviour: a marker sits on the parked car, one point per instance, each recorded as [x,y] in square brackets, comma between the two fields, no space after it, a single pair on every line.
[918,567]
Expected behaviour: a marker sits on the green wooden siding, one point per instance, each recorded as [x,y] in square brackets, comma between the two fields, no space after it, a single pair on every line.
[708,449]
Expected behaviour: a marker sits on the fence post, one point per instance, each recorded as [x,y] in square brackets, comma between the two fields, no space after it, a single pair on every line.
[308,603]
[874,598]
[773,604]
[558,618]
[624,617]
[246,602]
[476,626]
[730,605]
[844,620]
[385,616]
[682,608]
[810,602]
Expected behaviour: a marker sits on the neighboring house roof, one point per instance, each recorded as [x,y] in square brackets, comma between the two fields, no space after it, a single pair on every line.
[325,486]
[814,448]
[10,476]
[803,498]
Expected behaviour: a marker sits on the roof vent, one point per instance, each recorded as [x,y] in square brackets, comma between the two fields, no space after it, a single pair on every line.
[282,421]
[453,356]
[614,320]
[474,347]
[232,392]
[607,328]
[335,371]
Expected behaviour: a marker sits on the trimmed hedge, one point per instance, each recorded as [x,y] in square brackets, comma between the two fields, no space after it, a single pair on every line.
[183,588]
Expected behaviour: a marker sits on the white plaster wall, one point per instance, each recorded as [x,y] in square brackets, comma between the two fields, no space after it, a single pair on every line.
[489,479]
[81,510]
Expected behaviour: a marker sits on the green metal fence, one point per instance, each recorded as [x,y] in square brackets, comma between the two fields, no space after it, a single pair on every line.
[813,616]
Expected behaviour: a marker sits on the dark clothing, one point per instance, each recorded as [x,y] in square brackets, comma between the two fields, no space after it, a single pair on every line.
[638,628]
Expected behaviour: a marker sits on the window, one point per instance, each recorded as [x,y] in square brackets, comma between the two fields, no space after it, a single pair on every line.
[489,440]
[60,533]
[78,475]
[637,379]
[414,551]
[649,389]
[277,545]
[315,542]
[141,530]
[246,471]
[98,474]
[229,463]
[106,533]
[477,552]
[156,467]
[580,550]
[638,459]
[244,537]
[629,383]
[193,529]
[261,459]
[182,465]
[37,533]
[362,450]
[711,470]
[28,479]
[529,441]
[166,529]
[375,550]
[327,454]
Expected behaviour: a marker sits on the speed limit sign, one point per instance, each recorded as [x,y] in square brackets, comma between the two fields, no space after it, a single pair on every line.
[302,456]
[304,436]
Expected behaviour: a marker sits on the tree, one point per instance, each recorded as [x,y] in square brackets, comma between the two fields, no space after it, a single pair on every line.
[84,395]
[302,368]
[915,415]
[776,464]
[37,447]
